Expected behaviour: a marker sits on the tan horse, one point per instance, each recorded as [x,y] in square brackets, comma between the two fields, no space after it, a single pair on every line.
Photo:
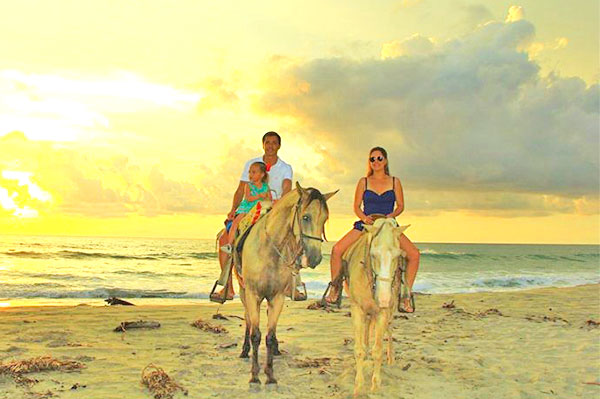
[285,240]
[373,283]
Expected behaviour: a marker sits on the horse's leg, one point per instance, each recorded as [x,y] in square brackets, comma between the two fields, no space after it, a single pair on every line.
[246,345]
[381,324]
[359,322]
[252,306]
[275,341]
[274,310]
[390,352]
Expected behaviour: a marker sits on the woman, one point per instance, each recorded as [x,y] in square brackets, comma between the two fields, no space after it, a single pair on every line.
[378,192]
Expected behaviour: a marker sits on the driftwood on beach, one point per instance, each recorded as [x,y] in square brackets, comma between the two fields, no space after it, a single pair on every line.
[113,301]
[129,325]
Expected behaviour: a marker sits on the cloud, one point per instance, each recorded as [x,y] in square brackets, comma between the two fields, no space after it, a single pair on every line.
[515,13]
[66,108]
[415,45]
[218,94]
[472,114]
[83,183]
[407,3]
[560,43]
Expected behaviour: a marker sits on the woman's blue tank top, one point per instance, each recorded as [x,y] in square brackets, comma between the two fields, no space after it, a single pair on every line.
[377,203]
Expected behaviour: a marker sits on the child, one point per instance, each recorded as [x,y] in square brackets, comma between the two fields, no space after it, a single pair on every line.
[257,189]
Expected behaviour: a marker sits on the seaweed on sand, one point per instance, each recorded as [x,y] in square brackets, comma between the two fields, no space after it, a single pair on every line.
[159,383]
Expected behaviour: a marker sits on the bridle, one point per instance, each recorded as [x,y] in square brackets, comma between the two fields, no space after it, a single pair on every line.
[371,274]
[299,246]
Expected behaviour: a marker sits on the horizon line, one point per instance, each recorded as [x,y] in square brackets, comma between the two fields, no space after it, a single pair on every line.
[212,238]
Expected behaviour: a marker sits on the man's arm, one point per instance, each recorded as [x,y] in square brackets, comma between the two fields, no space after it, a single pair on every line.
[237,198]
[286,186]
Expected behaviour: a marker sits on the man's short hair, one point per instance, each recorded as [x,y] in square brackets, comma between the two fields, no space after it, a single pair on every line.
[271,134]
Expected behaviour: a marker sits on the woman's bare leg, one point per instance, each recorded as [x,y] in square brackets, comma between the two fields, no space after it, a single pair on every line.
[413,256]
[336,259]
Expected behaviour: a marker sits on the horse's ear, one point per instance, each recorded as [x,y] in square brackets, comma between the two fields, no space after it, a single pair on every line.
[329,195]
[400,229]
[300,189]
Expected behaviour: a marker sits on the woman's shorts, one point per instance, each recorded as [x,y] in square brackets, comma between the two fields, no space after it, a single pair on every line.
[358,225]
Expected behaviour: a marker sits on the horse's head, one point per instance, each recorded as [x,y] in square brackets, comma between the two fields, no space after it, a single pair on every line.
[311,213]
[383,238]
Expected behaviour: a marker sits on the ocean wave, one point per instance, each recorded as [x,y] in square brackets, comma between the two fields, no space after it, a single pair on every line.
[203,255]
[46,291]
[532,281]
[101,255]
[56,276]
[148,273]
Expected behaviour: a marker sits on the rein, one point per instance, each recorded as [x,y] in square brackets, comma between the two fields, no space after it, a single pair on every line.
[372,276]
[299,248]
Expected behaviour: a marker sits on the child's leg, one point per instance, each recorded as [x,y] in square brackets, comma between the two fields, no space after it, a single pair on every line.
[234,226]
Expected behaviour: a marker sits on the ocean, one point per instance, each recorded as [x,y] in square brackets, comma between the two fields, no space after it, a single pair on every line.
[45,270]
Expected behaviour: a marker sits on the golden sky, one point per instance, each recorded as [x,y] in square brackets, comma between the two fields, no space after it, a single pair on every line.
[122,118]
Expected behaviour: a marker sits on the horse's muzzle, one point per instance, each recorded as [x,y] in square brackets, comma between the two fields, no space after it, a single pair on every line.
[312,259]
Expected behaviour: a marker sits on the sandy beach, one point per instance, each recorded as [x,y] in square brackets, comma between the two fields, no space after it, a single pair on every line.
[525,344]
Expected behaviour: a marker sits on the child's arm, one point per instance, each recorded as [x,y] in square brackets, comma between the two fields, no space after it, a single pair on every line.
[250,197]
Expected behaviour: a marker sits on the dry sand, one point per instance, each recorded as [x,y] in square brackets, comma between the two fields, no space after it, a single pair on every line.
[538,345]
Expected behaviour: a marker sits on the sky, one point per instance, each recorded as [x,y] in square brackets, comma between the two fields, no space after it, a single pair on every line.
[128,118]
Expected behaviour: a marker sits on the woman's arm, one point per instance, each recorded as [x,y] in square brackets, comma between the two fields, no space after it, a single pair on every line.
[358,197]
[399,199]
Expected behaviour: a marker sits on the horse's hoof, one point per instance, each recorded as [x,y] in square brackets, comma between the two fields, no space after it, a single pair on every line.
[276,352]
[254,380]
[244,355]
[271,381]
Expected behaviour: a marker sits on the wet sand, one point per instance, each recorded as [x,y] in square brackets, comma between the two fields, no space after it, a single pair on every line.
[525,344]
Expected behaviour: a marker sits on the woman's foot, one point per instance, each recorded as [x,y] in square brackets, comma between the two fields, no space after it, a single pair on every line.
[333,297]
[219,295]
[406,305]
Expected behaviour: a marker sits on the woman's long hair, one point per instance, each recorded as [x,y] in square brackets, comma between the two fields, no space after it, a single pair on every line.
[387,164]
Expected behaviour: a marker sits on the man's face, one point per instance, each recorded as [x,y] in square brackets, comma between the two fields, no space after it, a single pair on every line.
[271,145]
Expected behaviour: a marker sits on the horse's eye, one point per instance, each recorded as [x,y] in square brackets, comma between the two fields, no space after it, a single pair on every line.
[306,218]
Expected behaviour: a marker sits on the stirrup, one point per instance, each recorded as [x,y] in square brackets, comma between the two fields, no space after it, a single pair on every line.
[338,302]
[300,288]
[215,297]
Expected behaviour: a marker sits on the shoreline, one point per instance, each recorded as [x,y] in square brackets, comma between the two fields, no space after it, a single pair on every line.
[528,344]
[147,302]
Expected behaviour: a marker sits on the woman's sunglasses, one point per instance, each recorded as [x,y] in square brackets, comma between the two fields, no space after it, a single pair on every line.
[379,158]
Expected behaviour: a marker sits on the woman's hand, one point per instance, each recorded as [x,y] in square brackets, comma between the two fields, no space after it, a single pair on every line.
[368,220]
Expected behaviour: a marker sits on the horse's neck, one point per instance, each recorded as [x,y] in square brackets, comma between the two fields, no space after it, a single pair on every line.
[278,221]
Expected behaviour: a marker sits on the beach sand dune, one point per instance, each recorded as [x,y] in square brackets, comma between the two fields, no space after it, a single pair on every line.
[526,344]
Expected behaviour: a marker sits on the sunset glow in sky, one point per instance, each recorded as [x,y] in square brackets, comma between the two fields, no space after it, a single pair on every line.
[135,118]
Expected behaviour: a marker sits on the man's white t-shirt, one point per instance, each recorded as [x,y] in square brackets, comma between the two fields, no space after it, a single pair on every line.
[278,173]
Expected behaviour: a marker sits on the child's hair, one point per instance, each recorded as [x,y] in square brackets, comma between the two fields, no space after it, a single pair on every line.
[263,168]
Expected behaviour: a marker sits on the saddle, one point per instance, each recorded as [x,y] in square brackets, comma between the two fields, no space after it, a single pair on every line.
[245,225]
[338,282]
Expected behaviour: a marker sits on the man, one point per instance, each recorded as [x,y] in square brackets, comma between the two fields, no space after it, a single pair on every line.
[280,183]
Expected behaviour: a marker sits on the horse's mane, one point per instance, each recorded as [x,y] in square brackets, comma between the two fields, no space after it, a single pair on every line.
[291,199]
[358,246]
